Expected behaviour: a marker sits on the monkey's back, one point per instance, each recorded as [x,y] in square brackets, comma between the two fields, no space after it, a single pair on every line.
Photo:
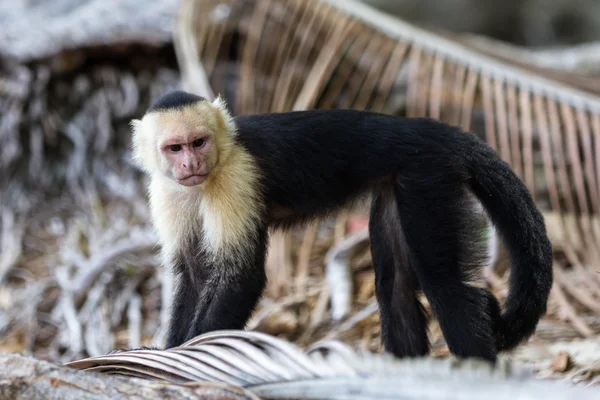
[315,157]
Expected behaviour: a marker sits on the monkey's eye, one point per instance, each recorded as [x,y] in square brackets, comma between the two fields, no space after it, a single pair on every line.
[199,142]
[175,147]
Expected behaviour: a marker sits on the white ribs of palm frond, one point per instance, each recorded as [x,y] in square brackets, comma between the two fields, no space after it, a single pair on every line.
[273,368]
[277,55]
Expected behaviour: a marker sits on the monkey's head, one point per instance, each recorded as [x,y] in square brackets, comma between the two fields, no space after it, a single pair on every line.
[183,137]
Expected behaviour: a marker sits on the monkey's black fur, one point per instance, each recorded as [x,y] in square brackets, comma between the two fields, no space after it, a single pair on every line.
[419,172]
[216,296]
[174,99]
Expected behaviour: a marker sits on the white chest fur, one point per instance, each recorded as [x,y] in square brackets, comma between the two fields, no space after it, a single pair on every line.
[223,212]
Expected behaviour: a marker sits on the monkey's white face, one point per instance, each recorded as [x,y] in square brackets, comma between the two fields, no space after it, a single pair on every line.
[186,158]
[184,144]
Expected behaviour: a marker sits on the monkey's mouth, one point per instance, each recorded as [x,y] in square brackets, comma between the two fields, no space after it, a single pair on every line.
[192,180]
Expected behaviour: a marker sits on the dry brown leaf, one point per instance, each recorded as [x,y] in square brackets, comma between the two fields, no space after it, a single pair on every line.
[561,362]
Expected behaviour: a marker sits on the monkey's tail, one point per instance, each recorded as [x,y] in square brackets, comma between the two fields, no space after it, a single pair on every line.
[521,227]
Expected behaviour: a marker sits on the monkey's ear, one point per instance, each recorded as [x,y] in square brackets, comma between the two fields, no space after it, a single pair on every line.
[220,103]
[139,144]
[134,124]
[136,128]
[223,116]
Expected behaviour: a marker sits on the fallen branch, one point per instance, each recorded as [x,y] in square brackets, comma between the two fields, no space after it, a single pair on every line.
[27,378]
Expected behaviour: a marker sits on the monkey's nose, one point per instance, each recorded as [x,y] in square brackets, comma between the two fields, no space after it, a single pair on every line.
[192,165]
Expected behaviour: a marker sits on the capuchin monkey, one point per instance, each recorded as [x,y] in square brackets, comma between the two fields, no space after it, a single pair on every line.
[218,184]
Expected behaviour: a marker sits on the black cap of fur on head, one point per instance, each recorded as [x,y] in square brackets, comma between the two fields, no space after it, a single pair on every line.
[174,99]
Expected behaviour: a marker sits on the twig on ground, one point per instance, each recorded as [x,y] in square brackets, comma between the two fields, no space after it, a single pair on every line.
[550,330]
[590,279]
[98,337]
[34,293]
[166,291]
[94,297]
[576,292]
[269,307]
[279,265]
[11,237]
[318,314]
[338,272]
[66,307]
[134,316]
[124,297]
[304,253]
[351,322]
[579,324]
[581,371]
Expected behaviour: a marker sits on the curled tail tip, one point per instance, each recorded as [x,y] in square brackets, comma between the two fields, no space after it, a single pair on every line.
[523,312]
[521,225]
[513,333]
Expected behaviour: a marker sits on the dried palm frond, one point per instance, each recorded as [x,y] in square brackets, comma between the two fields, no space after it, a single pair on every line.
[278,55]
[273,368]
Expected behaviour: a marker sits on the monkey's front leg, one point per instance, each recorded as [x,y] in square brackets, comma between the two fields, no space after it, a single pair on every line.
[192,272]
[182,310]
[232,291]
[227,302]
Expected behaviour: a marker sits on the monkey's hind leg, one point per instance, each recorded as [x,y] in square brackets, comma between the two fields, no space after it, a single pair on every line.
[403,320]
[435,217]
